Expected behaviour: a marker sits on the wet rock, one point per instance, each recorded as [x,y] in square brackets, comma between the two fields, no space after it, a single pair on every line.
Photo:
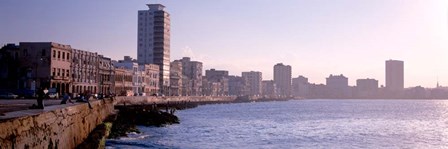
[131,116]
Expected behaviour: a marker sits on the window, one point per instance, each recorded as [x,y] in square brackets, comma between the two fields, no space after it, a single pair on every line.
[68,56]
[63,55]
[59,72]
[54,53]
[59,54]
[63,72]
[68,72]
[53,72]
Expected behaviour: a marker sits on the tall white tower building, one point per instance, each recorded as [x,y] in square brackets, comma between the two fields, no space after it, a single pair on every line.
[153,43]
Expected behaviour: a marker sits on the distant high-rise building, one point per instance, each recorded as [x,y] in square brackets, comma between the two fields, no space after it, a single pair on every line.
[192,77]
[394,76]
[153,42]
[282,78]
[253,80]
[219,79]
[337,86]
[237,86]
[366,88]
[300,86]
[269,88]
[216,75]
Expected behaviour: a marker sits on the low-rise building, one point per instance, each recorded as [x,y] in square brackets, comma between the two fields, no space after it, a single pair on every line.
[123,82]
[45,65]
[144,77]
[85,72]
[149,79]
[106,75]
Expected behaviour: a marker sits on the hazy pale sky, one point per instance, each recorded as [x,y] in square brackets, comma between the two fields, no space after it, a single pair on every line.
[316,37]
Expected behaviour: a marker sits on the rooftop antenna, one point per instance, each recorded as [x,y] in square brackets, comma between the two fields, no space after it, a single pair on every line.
[437,82]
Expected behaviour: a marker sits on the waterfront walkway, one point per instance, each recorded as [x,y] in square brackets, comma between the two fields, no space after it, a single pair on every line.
[12,108]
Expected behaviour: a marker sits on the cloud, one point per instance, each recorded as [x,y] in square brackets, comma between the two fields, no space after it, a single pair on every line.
[187,52]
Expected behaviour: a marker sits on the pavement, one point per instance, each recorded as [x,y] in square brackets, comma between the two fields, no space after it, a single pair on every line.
[11,105]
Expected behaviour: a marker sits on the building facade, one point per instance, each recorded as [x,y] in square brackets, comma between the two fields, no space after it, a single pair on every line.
[148,79]
[10,67]
[282,78]
[176,78]
[253,80]
[85,71]
[237,86]
[192,77]
[337,86]
[123,82]
[300,87]
[143,76]
[394,76]
[219,81]
[153,45]
[269,89]
[106,75]
[366,88]
[47,65]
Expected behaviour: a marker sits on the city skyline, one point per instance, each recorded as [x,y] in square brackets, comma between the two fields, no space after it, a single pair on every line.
[315,41]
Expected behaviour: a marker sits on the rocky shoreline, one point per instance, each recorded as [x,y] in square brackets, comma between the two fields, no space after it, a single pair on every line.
[128,117]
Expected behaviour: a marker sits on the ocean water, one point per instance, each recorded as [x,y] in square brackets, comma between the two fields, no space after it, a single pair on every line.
[302,124]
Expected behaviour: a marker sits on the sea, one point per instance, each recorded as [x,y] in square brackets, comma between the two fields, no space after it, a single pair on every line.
[316,123]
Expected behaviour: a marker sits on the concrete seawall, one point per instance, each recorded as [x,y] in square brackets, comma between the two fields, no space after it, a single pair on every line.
[61,126]
[67,126]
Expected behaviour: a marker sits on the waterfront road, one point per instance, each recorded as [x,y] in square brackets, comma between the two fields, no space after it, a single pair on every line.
[10,105]
[10,108]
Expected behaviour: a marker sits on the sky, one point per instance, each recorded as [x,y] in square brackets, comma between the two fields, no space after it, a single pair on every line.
[316,37]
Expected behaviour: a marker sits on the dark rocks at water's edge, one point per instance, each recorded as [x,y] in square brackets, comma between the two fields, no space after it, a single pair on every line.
[131,116]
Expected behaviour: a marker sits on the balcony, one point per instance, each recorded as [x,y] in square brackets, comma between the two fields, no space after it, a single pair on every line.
[60,78]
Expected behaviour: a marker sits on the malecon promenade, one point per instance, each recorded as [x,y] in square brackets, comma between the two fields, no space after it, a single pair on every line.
[68,125]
